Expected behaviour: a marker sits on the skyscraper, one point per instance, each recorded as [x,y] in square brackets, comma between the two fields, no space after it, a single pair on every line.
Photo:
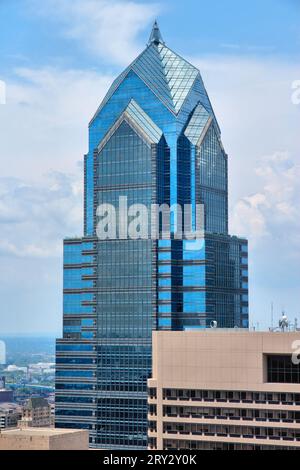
[154,140]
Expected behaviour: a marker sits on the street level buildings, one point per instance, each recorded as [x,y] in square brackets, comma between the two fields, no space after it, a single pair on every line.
[10,414]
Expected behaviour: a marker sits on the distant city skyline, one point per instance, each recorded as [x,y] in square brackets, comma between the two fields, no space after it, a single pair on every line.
[56,70]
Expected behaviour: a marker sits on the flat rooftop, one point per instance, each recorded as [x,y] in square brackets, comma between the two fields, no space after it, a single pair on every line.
[231,331]
[32,432]
[216,359]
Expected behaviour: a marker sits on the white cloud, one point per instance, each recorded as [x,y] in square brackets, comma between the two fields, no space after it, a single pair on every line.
[34,218]
[106,28]
[44,136]
[252,101]
[275,211]
[44,123]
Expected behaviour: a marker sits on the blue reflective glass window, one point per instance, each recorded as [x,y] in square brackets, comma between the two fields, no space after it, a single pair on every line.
[164,269]
[87,334]
[87,271]
[194,250]
[74,373]
[72,329]
[212,171]
[164,282]
[73,254]
[164,309]
[164,322]
[164,243]
[68,412]
[87,246]
[73,386]
[74,360]
[164,255]
[193,328]
[72,303]
[164,295]
[87,322]
[73,278]
[74,347]
[194,302]
[124,159]
[194,276]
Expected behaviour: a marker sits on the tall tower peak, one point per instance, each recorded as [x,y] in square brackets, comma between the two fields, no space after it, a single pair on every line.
[155,36]
[154,140]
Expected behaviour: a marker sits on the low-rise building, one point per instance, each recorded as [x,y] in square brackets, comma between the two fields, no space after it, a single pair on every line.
[44,439]
[224,389]
[36,413]
[10,414]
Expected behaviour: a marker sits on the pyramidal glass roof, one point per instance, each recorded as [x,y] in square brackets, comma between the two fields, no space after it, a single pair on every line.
[139,120]
[135,112]
[167,74]
[197,124]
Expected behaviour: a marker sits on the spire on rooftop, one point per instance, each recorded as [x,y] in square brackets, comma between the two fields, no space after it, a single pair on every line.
[155,36]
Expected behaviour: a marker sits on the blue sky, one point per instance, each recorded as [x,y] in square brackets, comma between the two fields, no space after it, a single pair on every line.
[264,27]
[59,56]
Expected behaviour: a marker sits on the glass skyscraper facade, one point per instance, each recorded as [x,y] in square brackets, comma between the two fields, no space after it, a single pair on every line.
[155,140]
